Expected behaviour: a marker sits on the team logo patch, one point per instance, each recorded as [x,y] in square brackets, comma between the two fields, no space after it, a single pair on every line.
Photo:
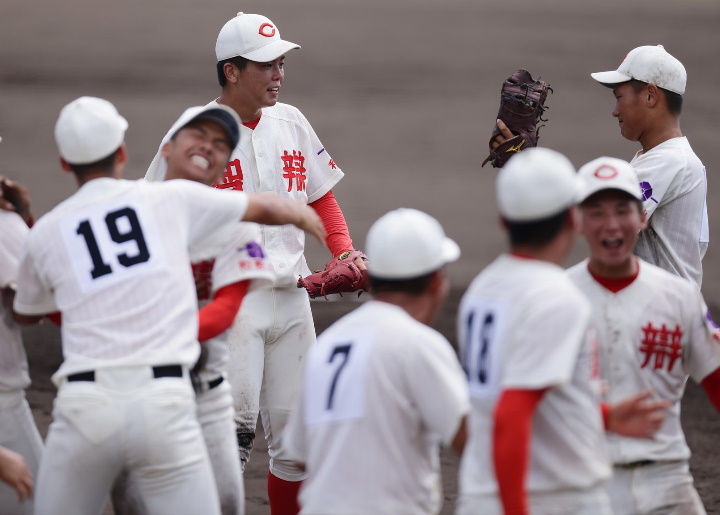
[254,250]
[266,30]
[605,172]
[647,191]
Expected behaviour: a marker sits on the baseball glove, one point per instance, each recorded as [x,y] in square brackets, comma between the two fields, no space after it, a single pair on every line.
[522,104]
[341,275]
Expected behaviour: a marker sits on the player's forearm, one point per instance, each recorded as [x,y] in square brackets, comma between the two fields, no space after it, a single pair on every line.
[460,439]
[338,235]
[216,317]
[269,209]
[511,447]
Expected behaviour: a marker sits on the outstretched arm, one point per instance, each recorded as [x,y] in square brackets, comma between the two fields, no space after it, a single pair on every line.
[217,316]
[269,209]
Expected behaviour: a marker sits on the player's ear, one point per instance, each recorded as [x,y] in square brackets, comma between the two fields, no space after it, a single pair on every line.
[65,166]
[165,149]
[230,71]
[574,219]
[652,95]
[121,156]
[643,217]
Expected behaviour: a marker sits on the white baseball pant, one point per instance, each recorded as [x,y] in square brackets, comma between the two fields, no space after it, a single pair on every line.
[126,419]
[659,488]
[268,341]
[591,501]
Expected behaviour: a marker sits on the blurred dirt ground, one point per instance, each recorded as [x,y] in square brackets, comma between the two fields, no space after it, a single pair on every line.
[403,94]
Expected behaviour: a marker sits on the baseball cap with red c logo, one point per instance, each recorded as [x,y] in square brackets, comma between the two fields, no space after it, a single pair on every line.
[253,37]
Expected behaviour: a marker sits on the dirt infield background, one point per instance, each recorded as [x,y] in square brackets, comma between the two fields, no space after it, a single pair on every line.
[402,94]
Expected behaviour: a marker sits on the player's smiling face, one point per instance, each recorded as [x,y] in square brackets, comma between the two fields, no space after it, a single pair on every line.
[611,221]
[260,83]
[199,152]
[629,110]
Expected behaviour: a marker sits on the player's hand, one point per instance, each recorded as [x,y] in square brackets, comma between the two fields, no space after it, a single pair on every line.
[15,197]
[637,416]
[501,138]
[14,472]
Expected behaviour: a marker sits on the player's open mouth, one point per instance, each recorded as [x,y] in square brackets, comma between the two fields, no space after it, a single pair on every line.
[273,90]
[200,161]
[612,243]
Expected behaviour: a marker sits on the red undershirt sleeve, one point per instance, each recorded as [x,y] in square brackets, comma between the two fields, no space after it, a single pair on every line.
[511,446]
[711,385]
[338,236]
[217,316]
[605,410]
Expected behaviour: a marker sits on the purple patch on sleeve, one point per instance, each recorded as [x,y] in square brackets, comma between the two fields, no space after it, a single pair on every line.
[254,250]
[321,151]
[710,320]
[647,191]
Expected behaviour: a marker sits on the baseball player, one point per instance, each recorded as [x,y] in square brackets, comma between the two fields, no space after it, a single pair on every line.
[240,267]
[381,390]
[653,334]
[278,152]
[108,258]
[648,87]
[18,432]
[531,361]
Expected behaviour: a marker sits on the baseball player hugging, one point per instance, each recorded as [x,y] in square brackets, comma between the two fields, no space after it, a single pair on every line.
[109,258]
[197,149]
[652,333]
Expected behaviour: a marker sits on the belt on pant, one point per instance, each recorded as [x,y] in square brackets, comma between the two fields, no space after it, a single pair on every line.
[643,463]
[202,386]
[158,371]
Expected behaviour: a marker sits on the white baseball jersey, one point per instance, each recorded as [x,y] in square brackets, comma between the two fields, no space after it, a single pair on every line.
[13,362]
[523,325]
[381,391]
[111,256]
[674,188]
[282,155]
[652,335]
[242,259]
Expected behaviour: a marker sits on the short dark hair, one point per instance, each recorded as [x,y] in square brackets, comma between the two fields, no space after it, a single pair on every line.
[105,164]
[674,101]
[239,62]
[539,232]
[411,286]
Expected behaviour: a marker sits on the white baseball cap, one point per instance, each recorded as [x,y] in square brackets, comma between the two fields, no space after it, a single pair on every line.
[650,64]
[253,37]
[535,184]
[407,243]
[219,113]
[89,129]
[608,173]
